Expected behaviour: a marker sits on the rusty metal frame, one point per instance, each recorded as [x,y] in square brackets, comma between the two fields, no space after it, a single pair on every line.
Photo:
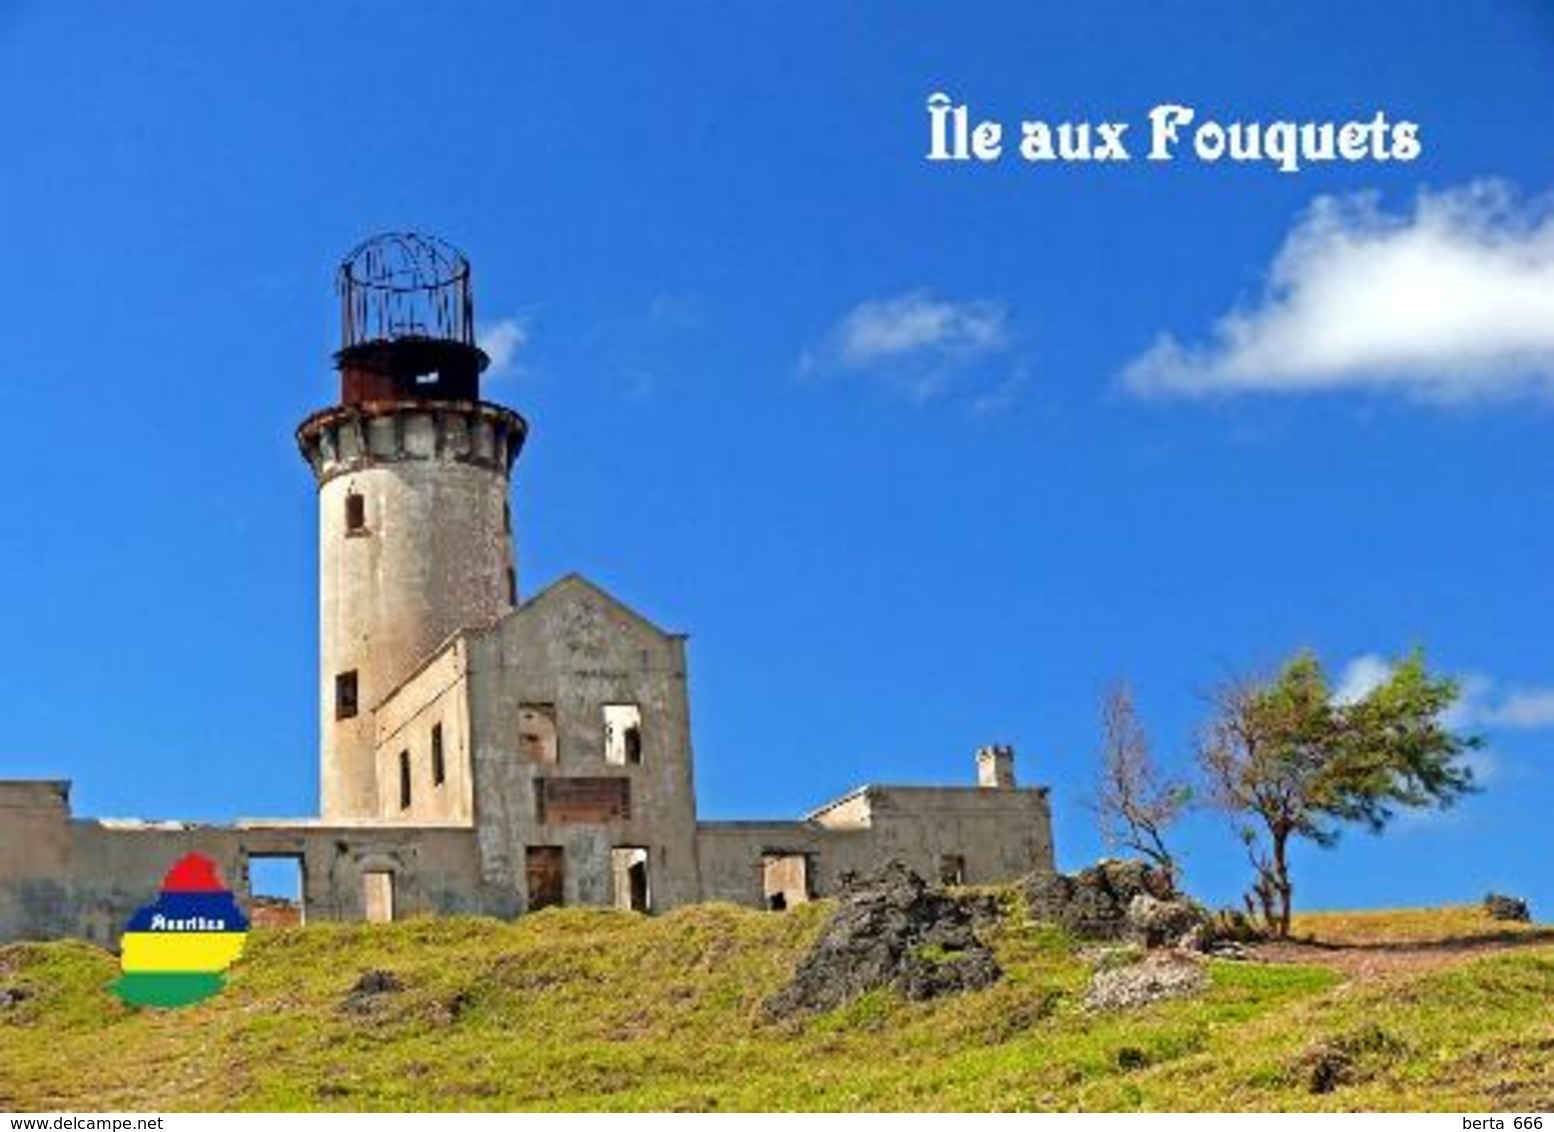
[405,285]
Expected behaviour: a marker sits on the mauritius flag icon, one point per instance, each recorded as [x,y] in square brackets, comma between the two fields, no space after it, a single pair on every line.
[176,948]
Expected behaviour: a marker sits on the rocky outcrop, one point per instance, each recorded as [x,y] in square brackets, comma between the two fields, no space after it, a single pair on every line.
[1159,975]
[1119,900]
[370,990]
[1508,908]
[1137,906]
[890,930]
[1177,922]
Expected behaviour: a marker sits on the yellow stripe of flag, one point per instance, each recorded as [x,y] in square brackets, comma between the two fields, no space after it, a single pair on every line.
[180,951]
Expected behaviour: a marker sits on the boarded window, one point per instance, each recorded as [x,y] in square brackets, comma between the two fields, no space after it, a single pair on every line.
[629,863]
[622,734]
[439,769]
[378,897]
[545,871]
[345,694]
[537,732]
[355,513]
[404,780]
[582,801]
[952,869]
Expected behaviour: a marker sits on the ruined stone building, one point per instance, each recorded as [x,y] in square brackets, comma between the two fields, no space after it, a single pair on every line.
[482,751]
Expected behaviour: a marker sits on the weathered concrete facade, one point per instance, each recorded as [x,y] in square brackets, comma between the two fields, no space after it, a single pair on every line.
[62,876]
[414,544]
[477,753]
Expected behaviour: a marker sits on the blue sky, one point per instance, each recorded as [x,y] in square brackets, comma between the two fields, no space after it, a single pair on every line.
[922,456]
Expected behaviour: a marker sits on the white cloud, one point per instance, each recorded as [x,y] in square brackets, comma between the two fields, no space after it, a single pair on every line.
[1524,709]
[1474,692]
[1452,301]
[1480,704]
[917,323]
[919,344]
[998,400]
[1361,676]
[502,341]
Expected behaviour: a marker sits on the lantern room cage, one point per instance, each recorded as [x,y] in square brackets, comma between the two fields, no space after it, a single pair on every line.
[407,321]
[405,285]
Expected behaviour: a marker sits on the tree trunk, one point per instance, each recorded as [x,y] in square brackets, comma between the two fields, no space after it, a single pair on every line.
[1281,881]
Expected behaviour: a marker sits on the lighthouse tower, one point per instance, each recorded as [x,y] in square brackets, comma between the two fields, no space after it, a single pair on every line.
[414,523]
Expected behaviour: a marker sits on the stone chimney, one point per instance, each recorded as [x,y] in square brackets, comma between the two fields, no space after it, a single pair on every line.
[995,767]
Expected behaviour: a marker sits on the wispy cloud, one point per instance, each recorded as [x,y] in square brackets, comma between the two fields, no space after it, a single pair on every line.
[1483,703]
[917,323]
[502,341]
[1451,301]
[920,345]
[1361,676]
[1523,709]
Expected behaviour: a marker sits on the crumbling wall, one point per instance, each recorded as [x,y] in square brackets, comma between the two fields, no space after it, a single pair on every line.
[34,860]
[994,836]
[427,716]
[733,857]
[573,650]
[63,877]
[998,834]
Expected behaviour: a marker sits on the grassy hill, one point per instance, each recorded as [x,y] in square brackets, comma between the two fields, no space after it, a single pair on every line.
[586,1009]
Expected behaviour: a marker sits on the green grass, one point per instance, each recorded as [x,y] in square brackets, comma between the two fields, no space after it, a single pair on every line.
[590,1009]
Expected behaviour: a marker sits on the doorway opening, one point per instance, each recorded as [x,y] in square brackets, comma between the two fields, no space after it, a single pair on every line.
[378,896]
[629,863]
[785,880]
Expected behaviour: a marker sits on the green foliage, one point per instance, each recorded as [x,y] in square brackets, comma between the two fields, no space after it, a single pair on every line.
[595,1009]
[1290,760]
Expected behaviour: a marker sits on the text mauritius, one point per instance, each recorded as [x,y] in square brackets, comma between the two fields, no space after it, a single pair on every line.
[1169,133]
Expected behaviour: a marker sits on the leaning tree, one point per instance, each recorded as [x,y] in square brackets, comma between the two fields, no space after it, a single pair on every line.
[1288,759]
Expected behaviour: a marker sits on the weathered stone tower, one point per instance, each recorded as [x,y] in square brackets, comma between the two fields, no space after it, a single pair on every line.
[415,526]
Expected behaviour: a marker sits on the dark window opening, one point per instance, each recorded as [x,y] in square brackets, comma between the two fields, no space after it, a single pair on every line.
[439,771]
[404,780]
[355,512]
[275,890]
[507,516]
[345,694]
[545,868]
[952,869]
[512,586]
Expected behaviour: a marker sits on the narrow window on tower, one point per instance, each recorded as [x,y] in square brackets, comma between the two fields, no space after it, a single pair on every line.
[439,771]
[507,516]
[404,780]
[355,513]
[345,694]
[512,586]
